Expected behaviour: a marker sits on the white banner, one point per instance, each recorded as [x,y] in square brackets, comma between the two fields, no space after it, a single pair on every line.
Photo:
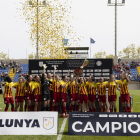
[28,123]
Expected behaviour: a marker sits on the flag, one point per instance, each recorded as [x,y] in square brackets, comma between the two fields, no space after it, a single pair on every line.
[65,41]
[91,40]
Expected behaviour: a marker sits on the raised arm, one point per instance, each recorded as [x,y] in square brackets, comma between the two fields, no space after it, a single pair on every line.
[68,72]
[84,79]
[127,79]
[54,73]
[64,84]
[42,78]
[76,81]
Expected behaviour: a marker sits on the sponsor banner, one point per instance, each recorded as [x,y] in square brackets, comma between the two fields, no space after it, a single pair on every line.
[104,124]
[28,123]
[96,67]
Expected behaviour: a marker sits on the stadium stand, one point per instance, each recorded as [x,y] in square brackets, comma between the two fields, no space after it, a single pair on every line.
[24,71]
[138,69]
[129,68]
[5,71]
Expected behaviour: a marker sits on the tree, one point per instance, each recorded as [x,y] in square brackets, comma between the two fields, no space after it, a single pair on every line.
[53,26]
[99,55]
[109,56]
[129,52]
[126,52]
[133,51]
[32,55]
[120,54]
[3,56]
[138,52]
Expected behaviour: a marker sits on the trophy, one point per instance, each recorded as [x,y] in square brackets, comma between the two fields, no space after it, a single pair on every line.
[44,67]
[79,71]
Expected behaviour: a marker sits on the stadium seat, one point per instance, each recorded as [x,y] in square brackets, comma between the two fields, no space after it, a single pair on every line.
[24,70]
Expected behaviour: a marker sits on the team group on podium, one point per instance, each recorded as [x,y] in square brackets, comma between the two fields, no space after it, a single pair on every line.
[44,93]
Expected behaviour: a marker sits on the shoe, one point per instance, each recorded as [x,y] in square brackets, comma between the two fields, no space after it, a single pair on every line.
[67,116]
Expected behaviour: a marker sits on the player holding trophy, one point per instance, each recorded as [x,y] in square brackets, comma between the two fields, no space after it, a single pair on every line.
[79,71]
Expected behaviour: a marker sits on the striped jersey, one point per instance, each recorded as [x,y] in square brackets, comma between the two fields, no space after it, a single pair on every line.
[123,86]
[112,88]
[63,89]
[91,88]
[56,86]
[37,89]
[101,88]
[83,89]
[30,88]
[19,89]
[73,88]
[8,90]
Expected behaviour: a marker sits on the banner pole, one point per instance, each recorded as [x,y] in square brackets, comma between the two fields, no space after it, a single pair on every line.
[90,47]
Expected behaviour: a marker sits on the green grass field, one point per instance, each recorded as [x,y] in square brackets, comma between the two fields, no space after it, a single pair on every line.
[136,108]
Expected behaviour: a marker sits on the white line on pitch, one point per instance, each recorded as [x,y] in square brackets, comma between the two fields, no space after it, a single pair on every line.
[62,129]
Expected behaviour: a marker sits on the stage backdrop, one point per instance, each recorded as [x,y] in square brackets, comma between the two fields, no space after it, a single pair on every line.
[96,67]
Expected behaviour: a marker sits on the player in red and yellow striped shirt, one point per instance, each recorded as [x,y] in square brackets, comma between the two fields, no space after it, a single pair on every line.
[25,97]
[125,96]
[112,96]
[37,94]
[91,94]
[19,95]
[8,96]
[64,88]
[56,90]
[83,94]
[29,87]
[101,88]
[73,93]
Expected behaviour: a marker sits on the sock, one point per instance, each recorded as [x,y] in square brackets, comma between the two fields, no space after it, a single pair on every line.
[94,109]
[6,109]
[29,108]
[12,109]
[129,109]
[71,108]
[77,107]
[100,109]
[50,105]
[125,109]
[33,107]
[44,108]
[52,108]
[115,109]
[61,109]
[110,109]
[56,108]
[48,108]
[25,108]
[64,109]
